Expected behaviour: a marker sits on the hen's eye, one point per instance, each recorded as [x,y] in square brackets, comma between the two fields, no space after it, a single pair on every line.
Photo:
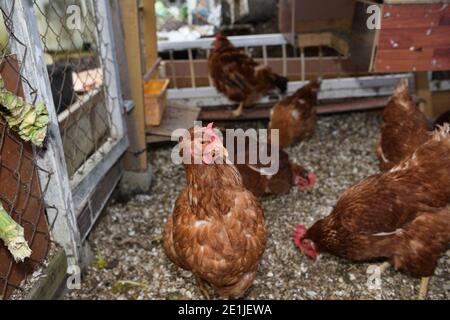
[180,139]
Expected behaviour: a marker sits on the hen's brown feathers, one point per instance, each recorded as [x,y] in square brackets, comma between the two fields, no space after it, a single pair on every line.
[238,76]
[395,214]
[404,128]
[295,115]
[266,184]
[217,229]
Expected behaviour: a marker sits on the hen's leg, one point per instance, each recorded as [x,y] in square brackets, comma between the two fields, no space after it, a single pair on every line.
[238,111]
[203,288]
[423,282]
[423,288]
[384,266]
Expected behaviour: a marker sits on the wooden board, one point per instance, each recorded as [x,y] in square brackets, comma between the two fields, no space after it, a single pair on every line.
[326,67]
[286,20]
[263,111]
[315,16]
[441,103]
[48,285]
[149,35]
[134,160]
[175,118]
[363,40]
[326,39]
[413,37]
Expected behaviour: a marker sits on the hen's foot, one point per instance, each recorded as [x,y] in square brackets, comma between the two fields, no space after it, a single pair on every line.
[384,266]
[423,288]
[202,287]
[238,111]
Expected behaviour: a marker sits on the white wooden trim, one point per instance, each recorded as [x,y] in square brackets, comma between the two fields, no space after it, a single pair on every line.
[84,182]
[79,104]
[272,39]
[114,103]
[440,85]
[33,68]
[97,214]
[359,87]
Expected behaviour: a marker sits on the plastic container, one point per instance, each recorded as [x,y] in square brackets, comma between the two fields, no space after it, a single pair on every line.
[155,98]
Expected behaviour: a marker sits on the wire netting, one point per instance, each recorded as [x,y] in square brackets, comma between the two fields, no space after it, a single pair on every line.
[71,35]
[23,183]
[77,56]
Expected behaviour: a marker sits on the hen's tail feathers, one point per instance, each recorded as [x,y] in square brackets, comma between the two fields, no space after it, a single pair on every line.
[442,132]
[308,91]
[402,87]
[281,83]
[401,97]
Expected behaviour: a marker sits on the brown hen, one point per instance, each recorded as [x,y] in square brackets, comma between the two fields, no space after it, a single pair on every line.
[404,128]
[217,227]
[402,215]
[238,76]
[295,115]
[260,179]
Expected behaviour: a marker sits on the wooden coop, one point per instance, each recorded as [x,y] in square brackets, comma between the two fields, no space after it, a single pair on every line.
[326,39]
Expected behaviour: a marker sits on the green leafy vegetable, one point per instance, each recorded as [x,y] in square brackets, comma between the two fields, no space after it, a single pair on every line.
[12,235]
[29,121]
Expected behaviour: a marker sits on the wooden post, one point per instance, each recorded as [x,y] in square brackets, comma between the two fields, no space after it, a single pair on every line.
[150,38]
[424,93]
[136,157]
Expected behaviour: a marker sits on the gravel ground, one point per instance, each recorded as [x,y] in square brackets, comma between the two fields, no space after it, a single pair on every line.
[130,262]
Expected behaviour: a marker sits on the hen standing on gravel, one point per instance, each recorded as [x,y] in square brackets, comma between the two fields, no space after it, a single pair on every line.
[217,228]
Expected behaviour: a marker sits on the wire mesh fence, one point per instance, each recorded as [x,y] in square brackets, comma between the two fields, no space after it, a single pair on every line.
[60,53]
[22,197]
[23,183]
[71,37]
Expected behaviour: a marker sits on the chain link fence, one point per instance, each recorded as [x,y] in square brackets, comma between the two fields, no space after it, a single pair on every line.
[61,53]
[21,190]
[71,40]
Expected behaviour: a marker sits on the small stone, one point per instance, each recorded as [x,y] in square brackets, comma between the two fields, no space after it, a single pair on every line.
[311,294]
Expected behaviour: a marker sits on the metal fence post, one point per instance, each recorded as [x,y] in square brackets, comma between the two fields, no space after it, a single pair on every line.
[33,68]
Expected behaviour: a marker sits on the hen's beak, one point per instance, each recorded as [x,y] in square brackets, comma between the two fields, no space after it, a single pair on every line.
[220,151]
[213,151]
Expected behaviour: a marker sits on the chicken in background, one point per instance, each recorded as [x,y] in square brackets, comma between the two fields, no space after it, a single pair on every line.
[288,175]
[404,128]
[402,215]
[238,76]
[217,227]
[295,115]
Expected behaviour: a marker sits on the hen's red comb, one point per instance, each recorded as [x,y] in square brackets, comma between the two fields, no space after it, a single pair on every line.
[219,35]
[299,233]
